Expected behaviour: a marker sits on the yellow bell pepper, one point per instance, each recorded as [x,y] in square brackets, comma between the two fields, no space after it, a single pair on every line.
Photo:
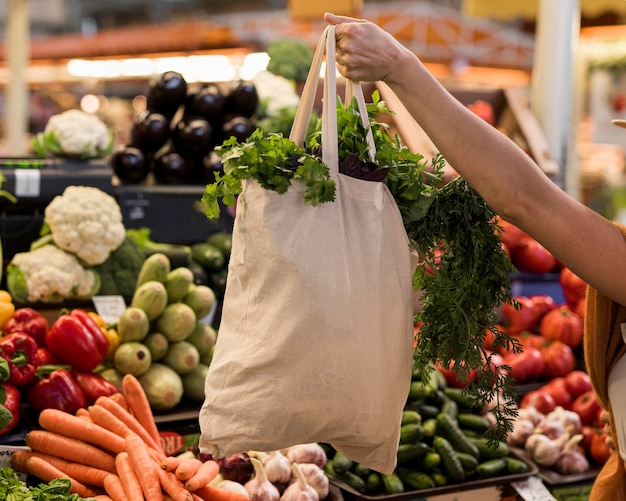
[110,333]
[7,308]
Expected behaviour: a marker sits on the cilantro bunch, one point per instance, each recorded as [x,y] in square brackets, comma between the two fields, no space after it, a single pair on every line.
[463,271]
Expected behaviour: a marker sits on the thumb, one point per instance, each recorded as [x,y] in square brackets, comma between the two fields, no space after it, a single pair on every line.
[335,19]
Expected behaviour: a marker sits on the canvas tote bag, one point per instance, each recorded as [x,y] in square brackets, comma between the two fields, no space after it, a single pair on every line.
[315,342]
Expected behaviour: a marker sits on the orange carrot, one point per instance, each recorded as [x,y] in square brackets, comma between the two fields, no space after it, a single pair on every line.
[40,468]
[187,468]
[144,466]
[139,405]
[173,486]
[130,421]
[69,425]
[211,493]
[170,463]
[69,449]
[113,487]
[128,477]
[195,497]
[103,497]
[83,473]
[105,418]
[207,472]
[120,399]
[82,412]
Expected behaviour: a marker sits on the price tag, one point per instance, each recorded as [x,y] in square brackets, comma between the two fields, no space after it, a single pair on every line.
[6,451]
[109,307]
[27,182]
[533,489]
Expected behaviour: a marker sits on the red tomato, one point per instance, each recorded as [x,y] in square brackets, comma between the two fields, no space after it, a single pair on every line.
[542,304]
[511,235]
[586,406]
[522,319]
[558,389]
[574,287]
[484,110]
[563,324]
[540,400]
[559,359]
[581,307]
[526,365]
[533,257]
[588,432]
[600,451]
[452,378]
[577,382]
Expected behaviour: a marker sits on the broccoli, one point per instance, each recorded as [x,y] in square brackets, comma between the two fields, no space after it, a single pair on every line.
[118,274]
[290,58]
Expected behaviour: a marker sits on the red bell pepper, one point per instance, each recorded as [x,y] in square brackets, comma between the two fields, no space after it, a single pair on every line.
[9,407]
[30,322]
[46,357]
[56,390]
[93,385]
[20,351]
[77,340]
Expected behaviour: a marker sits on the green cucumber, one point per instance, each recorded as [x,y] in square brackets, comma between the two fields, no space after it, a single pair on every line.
[393,484]
[411,452]
[373,482]
[460,396]
[410,433]
[416,480]
[515,466]
[491,468]
[490,450]
[341,463]
[473,422]
[448,428]
[430,427]
[419,390]
[353,480]
[430,461]
[468,461]
[410,416]
[450,462]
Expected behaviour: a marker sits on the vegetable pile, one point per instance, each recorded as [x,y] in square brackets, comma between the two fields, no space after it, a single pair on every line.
[463,271]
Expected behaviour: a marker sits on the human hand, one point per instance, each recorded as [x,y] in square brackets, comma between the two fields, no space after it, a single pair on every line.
[605,418]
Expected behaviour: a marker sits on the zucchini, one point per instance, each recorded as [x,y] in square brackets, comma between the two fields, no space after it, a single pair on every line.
[416,480]
[473,422]
[448,428]
[410,433]
[393,484]
[341,463]
[450,462]
[410,416]
[514,465]
[487,450]
[491,468]
[411,452]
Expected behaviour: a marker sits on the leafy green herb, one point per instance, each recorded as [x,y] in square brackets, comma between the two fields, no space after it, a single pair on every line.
[463,270]
[14,489]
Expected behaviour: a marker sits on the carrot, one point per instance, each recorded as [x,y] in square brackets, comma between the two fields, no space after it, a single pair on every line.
[69,425]
[207,472]
[144,466]
[83,473]
[170,463]
[128,476]
[120,399]
[113,487]
[103,497]
[82,413]
[40,468]
[130,421]
[173,486]
[105,418]
[211,493]
[139,405]
[187,468]
[69,449]
[195,497]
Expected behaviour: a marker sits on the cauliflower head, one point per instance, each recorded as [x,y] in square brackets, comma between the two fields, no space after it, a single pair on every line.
[49,275]
[74,133]
[87,222]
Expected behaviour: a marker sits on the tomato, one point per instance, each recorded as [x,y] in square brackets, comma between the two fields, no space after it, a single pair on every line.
[540,400]
[484,110]
[452,377]
[586,406]
[533,257]
[526,365]
[511,235]
[558,389]
[588,432]
[600,451]
[563,324]
[574,287]
[559,359]
[542,304]
[522,319]
[581,307]
[577,382]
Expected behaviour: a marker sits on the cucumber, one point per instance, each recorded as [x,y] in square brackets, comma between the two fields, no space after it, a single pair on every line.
[430,427]
[439,478]
[416,480]
[373,483]
[448,428]
[460,396]
[393,484]
[410,433]
[515,466]
[427,411]
[473,422]
[223,241]
[450,462]
[491,468]
[411,416]
[430,461]
[419,390]
[341,463]
[353,480]
[487,450]
[361,470]
[468,461]
[450,407]
[209,256]
[411,452]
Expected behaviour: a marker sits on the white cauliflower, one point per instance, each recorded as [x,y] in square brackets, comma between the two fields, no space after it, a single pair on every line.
[275,92]
[49,275]
[87,222]
[74,133]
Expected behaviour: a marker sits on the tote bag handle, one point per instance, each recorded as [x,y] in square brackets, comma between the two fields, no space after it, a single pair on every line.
[330,154]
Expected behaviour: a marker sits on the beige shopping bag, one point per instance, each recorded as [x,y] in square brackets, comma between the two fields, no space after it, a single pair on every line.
[315,342]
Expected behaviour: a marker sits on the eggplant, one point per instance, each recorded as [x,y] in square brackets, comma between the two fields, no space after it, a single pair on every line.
[239,126]
[242,99]
[129,164]
[193,137]
[207,102]
[170,167]
[150,131]
[167,93]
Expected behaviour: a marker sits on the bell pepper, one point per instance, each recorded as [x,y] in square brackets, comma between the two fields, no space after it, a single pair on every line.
[93,385]
[77,340]
[10,398]
[20,351]
[7,308]
[29,321]
[109,332]
[46,357]
[56,389]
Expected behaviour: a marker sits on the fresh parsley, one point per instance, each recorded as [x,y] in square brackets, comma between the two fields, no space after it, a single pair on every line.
[463,270]
[12,488]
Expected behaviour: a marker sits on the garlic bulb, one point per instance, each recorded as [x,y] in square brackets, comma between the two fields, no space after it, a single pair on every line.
[299,490]
[306,453]
[316,478]
[277,467]
[259,487]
